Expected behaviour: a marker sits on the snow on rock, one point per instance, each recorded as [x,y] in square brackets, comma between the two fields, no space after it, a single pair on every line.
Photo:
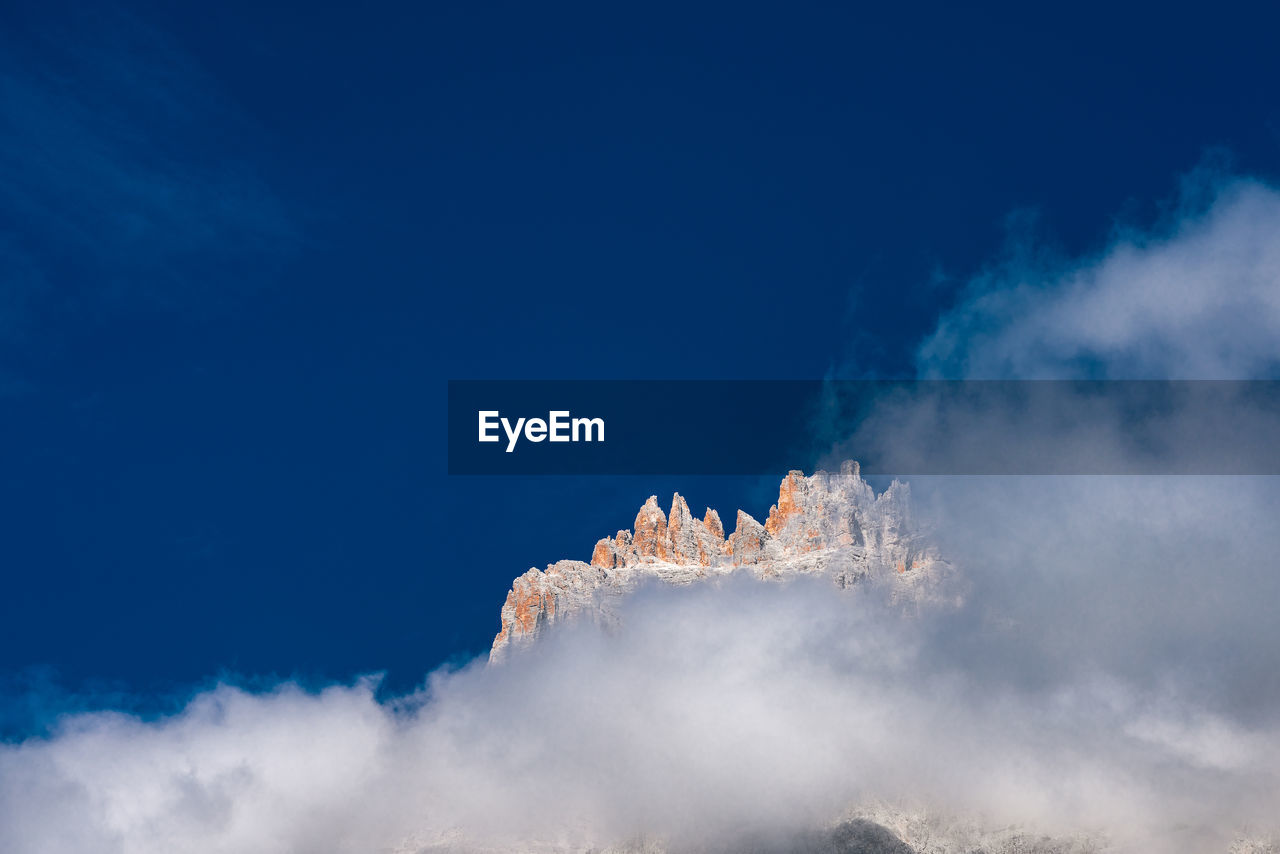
[823,524]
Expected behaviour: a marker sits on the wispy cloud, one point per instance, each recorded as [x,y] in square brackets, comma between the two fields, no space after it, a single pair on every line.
[1194,297]
[1109,663]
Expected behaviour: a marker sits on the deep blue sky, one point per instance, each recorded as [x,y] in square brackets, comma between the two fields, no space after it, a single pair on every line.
[243,248]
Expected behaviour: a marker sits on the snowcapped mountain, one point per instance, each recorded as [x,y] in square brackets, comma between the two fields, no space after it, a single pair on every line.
[826,524]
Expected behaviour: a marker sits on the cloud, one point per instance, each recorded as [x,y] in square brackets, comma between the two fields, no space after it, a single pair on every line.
[1107,663]
[719,710]
[1194,297]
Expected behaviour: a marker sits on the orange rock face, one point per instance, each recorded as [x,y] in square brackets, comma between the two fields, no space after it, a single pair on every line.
[825,524]
[650,538]
[711,544]
[528,603]
[605,555]
[712,523]
[787,506]
[682,538]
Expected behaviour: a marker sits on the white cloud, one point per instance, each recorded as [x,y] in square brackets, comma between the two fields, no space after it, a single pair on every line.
[1196,299]
[716,710]
[1113,666]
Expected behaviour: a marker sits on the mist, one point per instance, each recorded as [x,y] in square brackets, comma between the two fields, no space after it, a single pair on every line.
[1104,659]
[722,709]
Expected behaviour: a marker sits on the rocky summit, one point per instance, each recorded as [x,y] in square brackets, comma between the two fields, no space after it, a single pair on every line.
[825,524]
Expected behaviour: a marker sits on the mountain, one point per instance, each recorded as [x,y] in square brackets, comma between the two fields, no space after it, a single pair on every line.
[825,524]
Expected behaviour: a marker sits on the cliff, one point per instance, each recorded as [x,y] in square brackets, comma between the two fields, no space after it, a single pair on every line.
[826,524]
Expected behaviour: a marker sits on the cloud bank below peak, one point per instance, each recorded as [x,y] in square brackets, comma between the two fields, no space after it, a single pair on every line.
[1109,666]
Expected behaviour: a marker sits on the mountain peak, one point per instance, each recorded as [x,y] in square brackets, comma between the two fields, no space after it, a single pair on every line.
[711,521]
[822,524]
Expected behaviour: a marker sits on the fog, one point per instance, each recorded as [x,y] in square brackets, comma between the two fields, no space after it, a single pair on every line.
[1194,296]
[1104,658]
[1108,701]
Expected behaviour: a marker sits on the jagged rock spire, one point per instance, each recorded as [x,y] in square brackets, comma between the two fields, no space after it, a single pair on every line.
[651,530]
[712,523]
[827,524]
